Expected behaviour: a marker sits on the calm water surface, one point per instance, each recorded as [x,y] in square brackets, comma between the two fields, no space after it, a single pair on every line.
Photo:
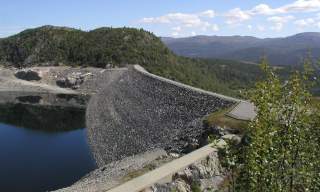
[42,148]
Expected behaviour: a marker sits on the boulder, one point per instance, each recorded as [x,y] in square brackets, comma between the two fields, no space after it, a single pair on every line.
[205,175]
[28,75]
[73,80]
[186,175]
[235,139]
[220,131]
[108,66]
[182,186]
[210,184]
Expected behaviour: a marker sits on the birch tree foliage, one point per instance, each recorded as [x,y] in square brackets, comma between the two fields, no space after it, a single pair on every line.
[283,149]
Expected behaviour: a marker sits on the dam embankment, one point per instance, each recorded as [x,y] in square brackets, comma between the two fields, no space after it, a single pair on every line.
[136,120]
[135,112]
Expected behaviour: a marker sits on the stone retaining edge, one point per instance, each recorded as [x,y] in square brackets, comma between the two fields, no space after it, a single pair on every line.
[142,70]
[165,172]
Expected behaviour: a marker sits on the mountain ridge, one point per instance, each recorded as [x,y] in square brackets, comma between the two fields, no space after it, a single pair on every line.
[249,36]
[280,51]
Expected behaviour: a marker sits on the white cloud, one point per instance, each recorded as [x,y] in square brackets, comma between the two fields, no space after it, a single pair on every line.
[176,31]
[277,27]
[177,28]
[154,20]
[193,33]
[262,9]
[308,22]
[205,26]
[304,22]
[236,15]
[302,6]
[279,21]
[185,19]
[296,6]
[261,28]
[207,13]
[189,20]
[175,34]
[184,22]
[215,27]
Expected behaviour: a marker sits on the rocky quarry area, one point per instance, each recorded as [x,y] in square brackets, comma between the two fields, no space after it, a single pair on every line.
[134,113]
[206,175]
[62,79]
[136,121]
[73,80]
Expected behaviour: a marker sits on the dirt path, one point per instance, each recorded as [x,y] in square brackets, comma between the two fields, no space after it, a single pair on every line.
[243,111]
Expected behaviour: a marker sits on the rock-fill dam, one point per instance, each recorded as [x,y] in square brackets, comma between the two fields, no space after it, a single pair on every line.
[135,111]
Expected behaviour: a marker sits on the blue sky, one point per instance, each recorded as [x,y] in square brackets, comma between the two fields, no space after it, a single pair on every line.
[176,18]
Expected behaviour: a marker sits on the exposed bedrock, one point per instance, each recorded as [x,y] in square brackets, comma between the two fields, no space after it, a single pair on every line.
[135,112]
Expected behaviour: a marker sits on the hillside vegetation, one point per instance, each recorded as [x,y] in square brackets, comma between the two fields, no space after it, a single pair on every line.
[50,45]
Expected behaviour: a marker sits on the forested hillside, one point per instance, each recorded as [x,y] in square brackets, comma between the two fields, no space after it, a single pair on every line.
[50,45]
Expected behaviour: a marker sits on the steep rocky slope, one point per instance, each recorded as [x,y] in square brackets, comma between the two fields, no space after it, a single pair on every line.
[134,113]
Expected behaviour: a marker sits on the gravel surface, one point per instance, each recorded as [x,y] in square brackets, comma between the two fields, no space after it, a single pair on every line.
[9,83]
[118,172]
[48,82]
[134,113]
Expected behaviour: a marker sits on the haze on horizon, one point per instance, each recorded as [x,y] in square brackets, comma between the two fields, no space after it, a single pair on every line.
[167,17]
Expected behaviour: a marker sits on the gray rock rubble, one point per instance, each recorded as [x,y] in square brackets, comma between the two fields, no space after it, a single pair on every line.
[134,113]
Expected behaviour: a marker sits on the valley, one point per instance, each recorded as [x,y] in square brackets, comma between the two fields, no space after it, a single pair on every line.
[59,80]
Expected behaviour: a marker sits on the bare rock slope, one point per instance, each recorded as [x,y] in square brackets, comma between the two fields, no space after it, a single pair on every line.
[135,112]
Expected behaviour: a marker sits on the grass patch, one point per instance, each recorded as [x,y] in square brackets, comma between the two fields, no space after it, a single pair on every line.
[137,173]
[220,118]
[315,101]
[195,187]
[145,169]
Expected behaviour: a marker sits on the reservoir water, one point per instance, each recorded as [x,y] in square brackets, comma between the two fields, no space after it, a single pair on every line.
[43,143]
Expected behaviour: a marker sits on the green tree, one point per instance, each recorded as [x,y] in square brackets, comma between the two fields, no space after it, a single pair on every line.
[282,153]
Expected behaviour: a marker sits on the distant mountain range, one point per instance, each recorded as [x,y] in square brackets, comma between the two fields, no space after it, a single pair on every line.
[279,51]
[105,47]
